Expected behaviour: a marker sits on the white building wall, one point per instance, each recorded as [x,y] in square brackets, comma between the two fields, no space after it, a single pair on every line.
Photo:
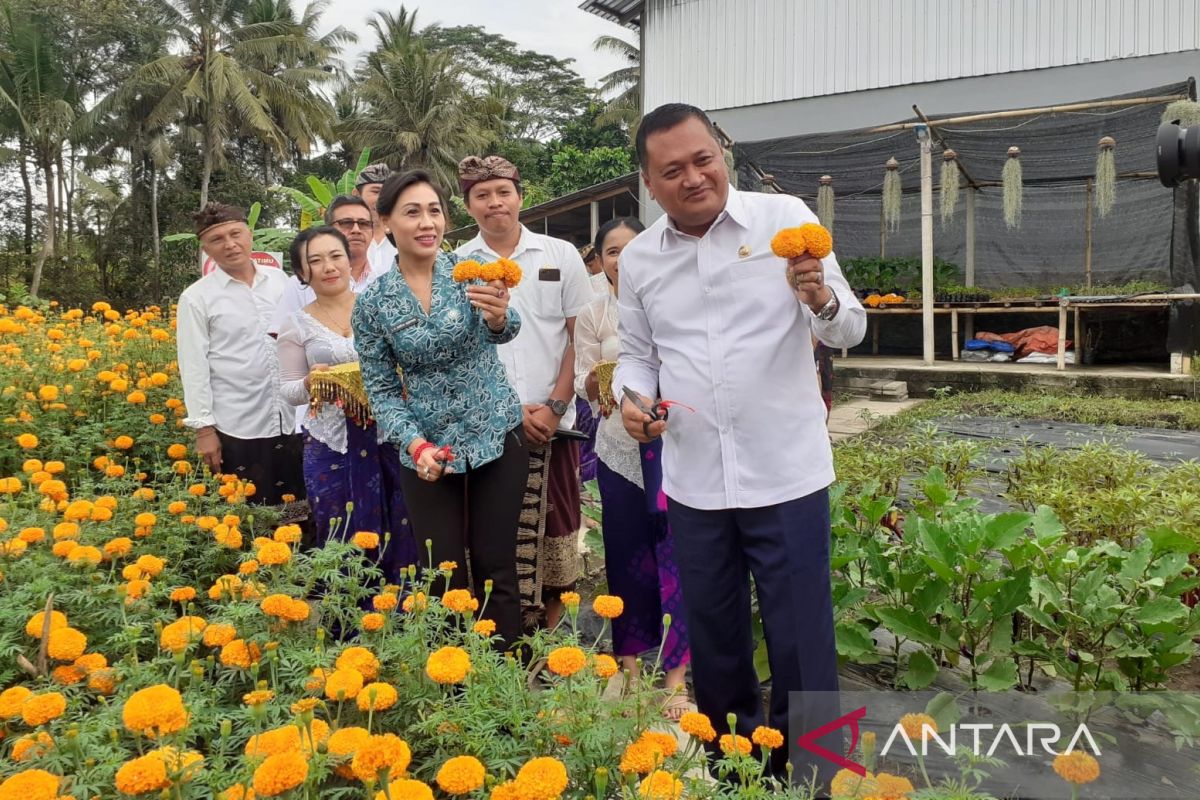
[721,54]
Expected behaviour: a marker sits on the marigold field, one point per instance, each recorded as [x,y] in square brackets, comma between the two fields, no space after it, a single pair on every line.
[160,637]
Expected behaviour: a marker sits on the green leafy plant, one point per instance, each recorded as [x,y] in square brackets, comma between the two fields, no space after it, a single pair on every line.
[312,206]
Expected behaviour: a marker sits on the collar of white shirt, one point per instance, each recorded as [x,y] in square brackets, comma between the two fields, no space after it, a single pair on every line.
[735,210]
[528,243]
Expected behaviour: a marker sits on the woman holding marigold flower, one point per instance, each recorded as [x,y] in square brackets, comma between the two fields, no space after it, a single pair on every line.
[346,460]
[638,550]
[453,414]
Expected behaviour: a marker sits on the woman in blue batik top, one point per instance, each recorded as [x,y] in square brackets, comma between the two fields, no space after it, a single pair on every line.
[453,416]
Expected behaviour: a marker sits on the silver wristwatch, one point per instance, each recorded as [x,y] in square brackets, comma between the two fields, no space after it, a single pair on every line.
[559,407]
[830,309]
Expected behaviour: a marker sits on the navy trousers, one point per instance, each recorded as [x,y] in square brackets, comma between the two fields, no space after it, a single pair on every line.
[785,547]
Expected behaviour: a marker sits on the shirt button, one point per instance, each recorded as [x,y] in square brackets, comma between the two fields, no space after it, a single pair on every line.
[725,429]
[708,290]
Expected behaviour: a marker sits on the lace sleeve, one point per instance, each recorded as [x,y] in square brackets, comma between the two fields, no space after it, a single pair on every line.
[293,363]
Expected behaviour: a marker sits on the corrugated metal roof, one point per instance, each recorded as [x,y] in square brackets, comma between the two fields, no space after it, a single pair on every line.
[622,12]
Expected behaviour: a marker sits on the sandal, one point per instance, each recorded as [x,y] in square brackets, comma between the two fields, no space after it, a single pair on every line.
[677,704]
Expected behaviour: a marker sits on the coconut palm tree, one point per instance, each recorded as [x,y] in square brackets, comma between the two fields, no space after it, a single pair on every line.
[416,112]
[235,74]
[623,85]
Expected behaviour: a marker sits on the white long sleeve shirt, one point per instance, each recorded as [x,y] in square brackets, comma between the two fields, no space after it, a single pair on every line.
[227,361]
[711,322]
[381,255]
[554,288]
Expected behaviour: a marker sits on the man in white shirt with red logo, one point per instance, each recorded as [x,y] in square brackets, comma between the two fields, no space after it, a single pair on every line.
[540,363]
[711,318]
[227,362]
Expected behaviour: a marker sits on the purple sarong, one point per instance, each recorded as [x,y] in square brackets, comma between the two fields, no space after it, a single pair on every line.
[586,422]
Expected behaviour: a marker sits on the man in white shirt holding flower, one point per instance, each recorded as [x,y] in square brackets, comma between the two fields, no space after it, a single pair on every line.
[711,318]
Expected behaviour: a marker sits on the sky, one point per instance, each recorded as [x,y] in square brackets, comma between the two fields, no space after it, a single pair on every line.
[556,27]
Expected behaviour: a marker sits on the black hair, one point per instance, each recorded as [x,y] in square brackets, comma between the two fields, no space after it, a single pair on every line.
[394,186]
[344,200]
[633,223]
[666,117]
[299,247]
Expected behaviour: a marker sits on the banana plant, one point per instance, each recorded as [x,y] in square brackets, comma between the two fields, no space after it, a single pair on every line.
[312,206]
[265,239]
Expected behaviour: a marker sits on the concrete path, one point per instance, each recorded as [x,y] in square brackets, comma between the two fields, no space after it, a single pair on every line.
[858,416]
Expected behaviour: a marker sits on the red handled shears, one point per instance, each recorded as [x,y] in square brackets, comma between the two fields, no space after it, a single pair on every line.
[659,411]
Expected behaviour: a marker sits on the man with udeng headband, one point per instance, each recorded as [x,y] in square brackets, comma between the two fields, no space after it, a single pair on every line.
[227,362]
[540,363]
[710,317]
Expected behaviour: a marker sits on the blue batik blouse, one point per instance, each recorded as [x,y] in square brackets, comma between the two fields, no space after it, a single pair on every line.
[454,390]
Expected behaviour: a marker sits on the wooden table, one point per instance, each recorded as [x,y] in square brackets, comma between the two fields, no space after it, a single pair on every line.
[1063,306]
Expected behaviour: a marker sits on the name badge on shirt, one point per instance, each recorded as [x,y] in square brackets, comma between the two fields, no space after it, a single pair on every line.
[549,274]
[403,326]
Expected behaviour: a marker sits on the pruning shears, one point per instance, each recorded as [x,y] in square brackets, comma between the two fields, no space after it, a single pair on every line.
[658,411]
[447,457]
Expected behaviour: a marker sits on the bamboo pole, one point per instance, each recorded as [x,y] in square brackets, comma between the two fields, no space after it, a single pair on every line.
[927,247]
[882,230]
[958,162]
[969,278]
[1030,112]
[1087,237]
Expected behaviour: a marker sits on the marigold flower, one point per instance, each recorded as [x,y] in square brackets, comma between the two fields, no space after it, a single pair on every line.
[377,697]
[12,699]
[359,659]
[239,654]
[503,791]
[381,756]
[731,744]
[35,624]
[219,634]
[155,711]
[183,594]
[808,238]
[32,535]
[660,785]
[484,627]
[914,726]
[258,697]
[316,680]
[385,602]
[66,644]
[343,684]
[118,547]
[466,270]
[135,589]
[123,442]
[178,635]
[608,606]
[343,744]
[196,489]
[248,567]
[31,784]
[280,773]
[570,599]
[405,789]
[447,566]
[448,665]
[41,708]
[461,775]
[605,666]
[157,419]
[102,681]
[1077,767]
[274,553]
[460,601]
[27,441]
[365,540]
[566,661]
[664,742]
[373,622]
[238,791]
[542,778]
[287,738]
[288,534]
[31,466]
[84,554]
[150,565]
[766,737]
[641,757]
[35,745]
[89,662]
[13,547]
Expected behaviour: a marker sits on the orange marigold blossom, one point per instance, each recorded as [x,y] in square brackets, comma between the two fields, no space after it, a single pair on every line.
[608,606]
[123,442]
[11,700]
[448,665]
[377,697]
[178,635]
[66,644]
[31,784]
[484,627]
[359,659]
[766,737]
[304,705]
[1077,767]
[343,744]
[566,661]
[258,697]
[381,757]
[405,789]
[343,684]
[384,602]
[141,775]
[182,594]
[35,624]
[31,746]
[543,778]
[155,711]
[288,534]
[373,622]
[570,599]
[914,726]
[365,540]
[39,709]
[280,773]
[89,662]
[288,738]
[274,553]
[460,601]
[809,238]
[461,775]
[660,785]
[731,744]
[237,653]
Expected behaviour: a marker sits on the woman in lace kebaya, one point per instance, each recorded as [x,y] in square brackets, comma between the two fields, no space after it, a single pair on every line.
[454,417]
[638,557]
[345,459]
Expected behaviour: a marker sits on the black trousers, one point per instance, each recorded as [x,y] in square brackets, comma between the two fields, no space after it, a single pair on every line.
[274,465]
[786,548]
[476,510]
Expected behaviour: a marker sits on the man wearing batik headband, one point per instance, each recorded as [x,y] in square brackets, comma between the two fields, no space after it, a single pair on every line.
[227,362]
[540,363]
[381,253]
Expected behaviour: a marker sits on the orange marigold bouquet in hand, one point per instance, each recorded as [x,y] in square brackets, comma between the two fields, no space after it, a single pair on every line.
[809,238]
[502,269]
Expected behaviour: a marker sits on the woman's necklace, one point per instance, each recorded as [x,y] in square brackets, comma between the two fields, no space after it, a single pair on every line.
[336,326]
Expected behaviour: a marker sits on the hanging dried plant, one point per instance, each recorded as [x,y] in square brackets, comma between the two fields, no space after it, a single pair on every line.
[949,194]
[731,167]
[1106,176]
[891,194]
[1013,190]
[825,202]
[1186,112]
